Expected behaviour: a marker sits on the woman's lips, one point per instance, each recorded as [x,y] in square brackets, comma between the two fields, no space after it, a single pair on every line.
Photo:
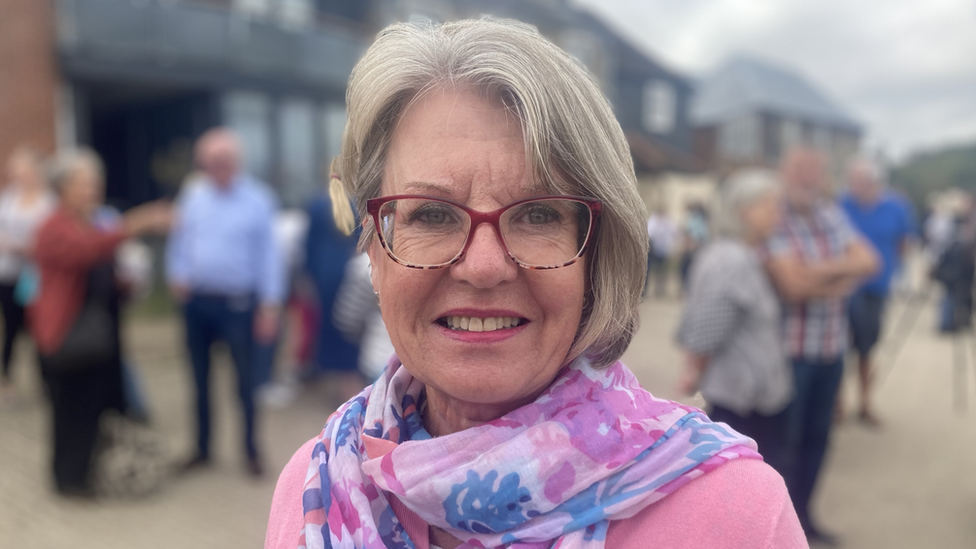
[476,324]
[481,326]
[493,336]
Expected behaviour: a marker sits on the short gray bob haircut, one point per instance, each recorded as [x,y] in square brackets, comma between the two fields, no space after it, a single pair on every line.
[65,165]
[869,166]
[742,189]
[573,143]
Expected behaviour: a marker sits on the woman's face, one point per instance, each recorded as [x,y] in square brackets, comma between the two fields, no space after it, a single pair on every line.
[23,171]
[762,216]
[463,147]
[83,192]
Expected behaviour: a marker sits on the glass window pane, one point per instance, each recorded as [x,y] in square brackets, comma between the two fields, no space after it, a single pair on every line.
[248,114]
[298,168]
[659,106]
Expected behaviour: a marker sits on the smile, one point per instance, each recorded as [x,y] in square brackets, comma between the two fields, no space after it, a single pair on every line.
[475,324]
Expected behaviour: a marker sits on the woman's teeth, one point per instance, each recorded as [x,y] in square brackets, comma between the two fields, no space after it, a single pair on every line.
[474,324]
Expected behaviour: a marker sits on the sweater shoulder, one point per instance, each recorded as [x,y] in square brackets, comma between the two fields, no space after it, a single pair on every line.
[742,504]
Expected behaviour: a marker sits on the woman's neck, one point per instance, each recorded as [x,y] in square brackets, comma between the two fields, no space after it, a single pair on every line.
[29,195]
[75,213]
[445,415]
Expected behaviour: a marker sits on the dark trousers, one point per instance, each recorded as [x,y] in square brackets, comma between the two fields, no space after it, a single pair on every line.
[810,416]
[769,432]
[78,400]
[229,319]
[13,323]
[657,268]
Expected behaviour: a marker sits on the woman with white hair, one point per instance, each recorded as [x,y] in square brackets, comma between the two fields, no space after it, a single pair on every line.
[730,327]
[75,318]
[508,249]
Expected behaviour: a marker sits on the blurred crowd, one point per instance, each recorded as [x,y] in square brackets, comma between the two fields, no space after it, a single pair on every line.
[786,281]
[781,282]
[284,290]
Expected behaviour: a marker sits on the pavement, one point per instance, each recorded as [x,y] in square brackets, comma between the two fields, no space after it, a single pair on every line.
[909,484]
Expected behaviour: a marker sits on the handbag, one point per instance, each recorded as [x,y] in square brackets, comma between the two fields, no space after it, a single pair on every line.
[130,461]
[90,341]
[25,291]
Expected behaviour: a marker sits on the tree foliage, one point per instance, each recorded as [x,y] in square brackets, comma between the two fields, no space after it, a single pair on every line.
[934,171]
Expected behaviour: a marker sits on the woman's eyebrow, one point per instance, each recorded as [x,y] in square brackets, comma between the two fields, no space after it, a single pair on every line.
[448,191]
[426,187]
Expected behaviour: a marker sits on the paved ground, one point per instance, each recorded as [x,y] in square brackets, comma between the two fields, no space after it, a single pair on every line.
[910,484]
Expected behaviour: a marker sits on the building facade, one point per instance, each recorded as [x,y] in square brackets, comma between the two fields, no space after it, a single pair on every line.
[751,113]
[140,80]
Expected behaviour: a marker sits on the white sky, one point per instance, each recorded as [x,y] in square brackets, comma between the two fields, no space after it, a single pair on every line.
[905,68]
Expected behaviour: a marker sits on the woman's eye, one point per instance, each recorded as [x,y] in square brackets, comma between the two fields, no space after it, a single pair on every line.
[539,215]
[432,214]
[433,217]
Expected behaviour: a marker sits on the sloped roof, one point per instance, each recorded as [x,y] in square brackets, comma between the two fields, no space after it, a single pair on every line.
[748,85]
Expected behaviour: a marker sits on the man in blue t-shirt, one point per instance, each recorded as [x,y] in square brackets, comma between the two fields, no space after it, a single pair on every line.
[886,220]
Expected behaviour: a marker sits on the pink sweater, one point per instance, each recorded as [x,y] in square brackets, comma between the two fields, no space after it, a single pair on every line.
[742,504]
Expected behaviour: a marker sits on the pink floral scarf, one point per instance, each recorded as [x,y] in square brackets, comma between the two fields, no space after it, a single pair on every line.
[594,447]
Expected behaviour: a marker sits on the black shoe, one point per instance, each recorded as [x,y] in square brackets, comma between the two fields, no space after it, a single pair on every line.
[195,463]
[254,467]
[816,536]
[77,492]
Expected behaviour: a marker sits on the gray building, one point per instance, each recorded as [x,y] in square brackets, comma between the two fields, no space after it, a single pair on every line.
[141,79]
[750,113]
[651,101]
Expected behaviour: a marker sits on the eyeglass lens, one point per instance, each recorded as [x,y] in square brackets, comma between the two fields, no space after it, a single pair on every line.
[541,233]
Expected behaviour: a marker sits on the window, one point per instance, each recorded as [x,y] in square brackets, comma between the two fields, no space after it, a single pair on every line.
[740,138]
[659,106]
[333,117]
[296,15]
[821,139]
[299,161]
[255,8]
[790,135]
[249,114]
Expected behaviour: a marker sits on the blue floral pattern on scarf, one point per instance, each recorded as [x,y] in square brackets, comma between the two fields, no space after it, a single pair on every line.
[476,506]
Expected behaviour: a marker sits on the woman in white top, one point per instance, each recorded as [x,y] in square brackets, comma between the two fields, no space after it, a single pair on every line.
[24,203]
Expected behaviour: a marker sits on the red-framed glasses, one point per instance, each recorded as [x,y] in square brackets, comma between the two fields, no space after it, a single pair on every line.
[423,232]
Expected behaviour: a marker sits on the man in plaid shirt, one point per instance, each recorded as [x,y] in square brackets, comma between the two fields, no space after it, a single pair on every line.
[816,260]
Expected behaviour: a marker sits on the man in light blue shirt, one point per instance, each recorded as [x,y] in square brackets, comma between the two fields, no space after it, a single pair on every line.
[223,266]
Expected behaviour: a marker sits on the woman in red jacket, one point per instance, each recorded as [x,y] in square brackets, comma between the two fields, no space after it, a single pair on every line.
[76,264]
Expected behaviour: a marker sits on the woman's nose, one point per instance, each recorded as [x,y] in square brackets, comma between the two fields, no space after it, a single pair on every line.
[485,262]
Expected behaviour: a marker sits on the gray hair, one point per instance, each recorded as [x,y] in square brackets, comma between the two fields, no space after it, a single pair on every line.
[742,189]
[870,166]
[66,164]
[573,144]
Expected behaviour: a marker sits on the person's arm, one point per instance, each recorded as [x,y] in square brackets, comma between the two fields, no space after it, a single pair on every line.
[66,244]
[797,281]
[177,253]
[287,516]
[858,262]
[708,322]
[271,276]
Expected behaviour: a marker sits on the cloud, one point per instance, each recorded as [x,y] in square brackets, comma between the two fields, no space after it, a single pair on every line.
[907,69]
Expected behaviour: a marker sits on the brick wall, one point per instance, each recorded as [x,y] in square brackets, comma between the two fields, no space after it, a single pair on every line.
[28,75]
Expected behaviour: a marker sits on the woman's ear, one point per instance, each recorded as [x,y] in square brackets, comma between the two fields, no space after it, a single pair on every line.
[375,259]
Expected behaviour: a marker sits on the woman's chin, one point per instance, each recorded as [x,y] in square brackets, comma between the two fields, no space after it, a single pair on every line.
[497,388]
